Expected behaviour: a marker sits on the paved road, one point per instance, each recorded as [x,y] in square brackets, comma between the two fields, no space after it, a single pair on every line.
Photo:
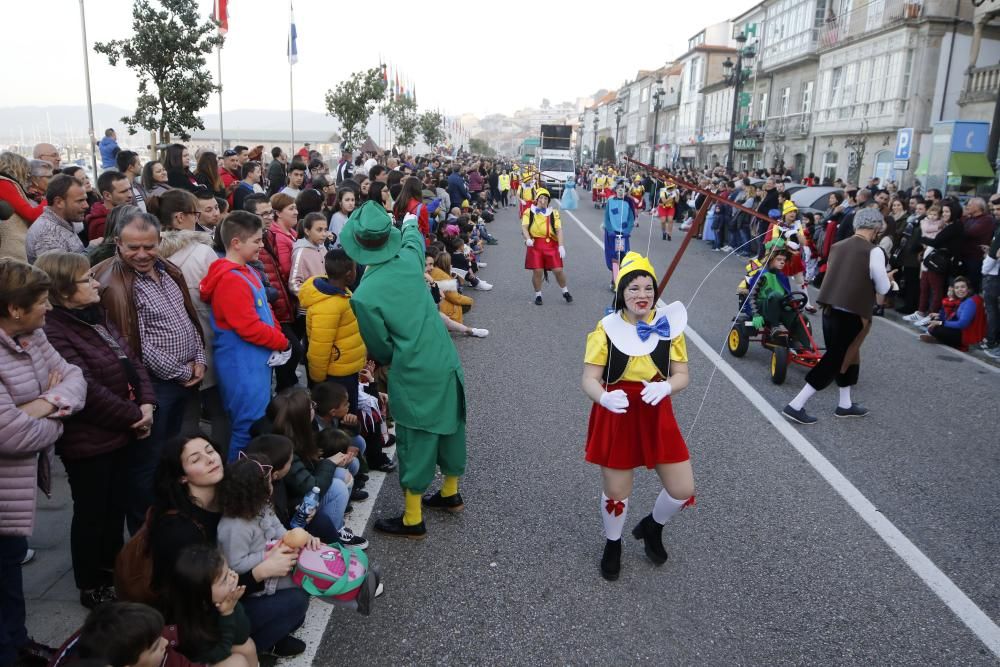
[772,567]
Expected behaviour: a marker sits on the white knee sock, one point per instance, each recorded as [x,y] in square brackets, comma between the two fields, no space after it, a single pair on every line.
[613,514]
[845,397]
[799,401]
[666,506]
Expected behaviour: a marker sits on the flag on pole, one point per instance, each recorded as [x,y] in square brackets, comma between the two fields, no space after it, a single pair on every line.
[398,89]
[293,48]
[414,94]
[220,15]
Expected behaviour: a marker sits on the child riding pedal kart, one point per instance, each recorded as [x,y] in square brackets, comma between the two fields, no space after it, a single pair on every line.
[770,312]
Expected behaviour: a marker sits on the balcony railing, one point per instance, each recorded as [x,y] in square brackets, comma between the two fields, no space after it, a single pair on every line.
[981,85]
[869,17]
[792,125]
[755,129]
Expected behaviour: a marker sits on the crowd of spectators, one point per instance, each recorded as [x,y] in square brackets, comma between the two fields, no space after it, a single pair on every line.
[945,249]
[180,336]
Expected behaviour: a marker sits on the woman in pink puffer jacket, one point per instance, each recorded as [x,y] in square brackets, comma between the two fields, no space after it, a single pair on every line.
[37,389]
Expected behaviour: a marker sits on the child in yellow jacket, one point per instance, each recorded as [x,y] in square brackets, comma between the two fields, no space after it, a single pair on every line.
[453,304]
[336,349]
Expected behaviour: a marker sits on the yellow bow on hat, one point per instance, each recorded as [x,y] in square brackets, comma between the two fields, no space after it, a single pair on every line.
[788,207]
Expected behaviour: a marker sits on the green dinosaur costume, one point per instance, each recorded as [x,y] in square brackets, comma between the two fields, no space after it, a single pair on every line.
[402,329]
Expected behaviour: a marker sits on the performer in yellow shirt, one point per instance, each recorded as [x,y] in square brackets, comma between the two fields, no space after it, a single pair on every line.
[543,237]
[636,359]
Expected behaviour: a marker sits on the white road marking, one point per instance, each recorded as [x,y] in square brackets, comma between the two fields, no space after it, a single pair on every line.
[318,614]
[961,605]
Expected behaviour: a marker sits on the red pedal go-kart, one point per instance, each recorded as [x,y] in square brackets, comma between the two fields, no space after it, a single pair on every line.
[783,350]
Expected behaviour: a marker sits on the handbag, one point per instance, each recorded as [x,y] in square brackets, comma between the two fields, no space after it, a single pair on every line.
[939,261]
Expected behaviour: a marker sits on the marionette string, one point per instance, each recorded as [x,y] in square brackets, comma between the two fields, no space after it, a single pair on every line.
[735,320]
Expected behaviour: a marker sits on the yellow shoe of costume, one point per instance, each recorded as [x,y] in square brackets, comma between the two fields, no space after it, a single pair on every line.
[448,498]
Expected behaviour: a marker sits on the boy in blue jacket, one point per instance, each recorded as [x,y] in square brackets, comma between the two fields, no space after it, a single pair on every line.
[619,221]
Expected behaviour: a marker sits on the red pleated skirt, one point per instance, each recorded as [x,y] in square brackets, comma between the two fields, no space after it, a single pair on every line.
[794,266]
[645,435]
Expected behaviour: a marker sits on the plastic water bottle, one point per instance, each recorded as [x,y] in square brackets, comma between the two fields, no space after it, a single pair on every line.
[305,508]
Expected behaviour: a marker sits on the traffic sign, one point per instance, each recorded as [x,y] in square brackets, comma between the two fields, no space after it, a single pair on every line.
[904,142]
[901,165]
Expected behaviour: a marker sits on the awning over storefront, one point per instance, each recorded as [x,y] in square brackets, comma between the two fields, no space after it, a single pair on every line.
[969,165]
[922,166]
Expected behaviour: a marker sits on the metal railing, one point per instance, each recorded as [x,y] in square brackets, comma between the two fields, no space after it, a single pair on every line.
[868,17]
[792,125]
[981,85]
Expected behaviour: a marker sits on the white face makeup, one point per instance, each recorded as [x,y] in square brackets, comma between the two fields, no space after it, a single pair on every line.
[640,296]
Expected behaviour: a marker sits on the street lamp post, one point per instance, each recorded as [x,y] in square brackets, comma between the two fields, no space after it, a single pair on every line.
[619,112]
[579,140]
[657,95]
[735,76]
[594,155]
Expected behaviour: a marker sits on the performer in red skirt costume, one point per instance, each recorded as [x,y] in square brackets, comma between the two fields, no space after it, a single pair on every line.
[636,359]
[543,237]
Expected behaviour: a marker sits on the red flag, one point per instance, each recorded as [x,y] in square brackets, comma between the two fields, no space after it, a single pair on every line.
[221,15]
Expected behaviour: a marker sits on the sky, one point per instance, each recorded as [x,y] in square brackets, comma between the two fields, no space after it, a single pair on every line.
[463,57]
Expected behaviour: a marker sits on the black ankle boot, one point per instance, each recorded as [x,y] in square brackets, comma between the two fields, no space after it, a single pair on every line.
[651,533]
[611,561]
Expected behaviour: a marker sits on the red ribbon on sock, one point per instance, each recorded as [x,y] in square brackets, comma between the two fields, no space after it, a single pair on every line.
[615,507]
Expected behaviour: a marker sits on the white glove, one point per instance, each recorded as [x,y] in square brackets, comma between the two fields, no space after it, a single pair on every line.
[562,252]
[616,401]
[654,392]
[529,242]
[279,358]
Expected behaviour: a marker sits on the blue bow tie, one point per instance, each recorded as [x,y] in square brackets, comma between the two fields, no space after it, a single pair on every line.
[660,327]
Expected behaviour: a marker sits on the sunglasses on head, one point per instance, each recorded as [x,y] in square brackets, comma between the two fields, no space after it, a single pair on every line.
[229,152]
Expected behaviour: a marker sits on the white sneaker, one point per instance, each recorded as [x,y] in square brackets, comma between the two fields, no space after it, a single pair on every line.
[727,248]
[912,317]
[923,322]
[483,286]
[479,333]
[29,555]
[482,265]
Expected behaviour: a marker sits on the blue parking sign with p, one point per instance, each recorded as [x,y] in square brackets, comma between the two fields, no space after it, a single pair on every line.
[904,143]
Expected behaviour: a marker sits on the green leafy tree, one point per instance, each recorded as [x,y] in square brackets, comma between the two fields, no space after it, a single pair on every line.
[166,50]
[353,102]
[606,149]
[430,124]
[480,147]
[401,114]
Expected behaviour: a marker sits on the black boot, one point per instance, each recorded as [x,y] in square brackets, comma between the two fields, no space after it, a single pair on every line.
[611,561]
[651,533]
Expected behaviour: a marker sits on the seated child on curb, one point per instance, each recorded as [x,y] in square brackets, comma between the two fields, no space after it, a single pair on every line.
[249,526]
[248,339]
[333,412]
[123,634]
[204,603]
[291,414]
[453,303]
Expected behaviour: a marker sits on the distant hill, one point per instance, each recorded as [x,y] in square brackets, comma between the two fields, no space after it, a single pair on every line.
[35,123]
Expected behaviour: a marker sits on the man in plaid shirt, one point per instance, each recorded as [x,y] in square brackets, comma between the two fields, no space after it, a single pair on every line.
[147,298]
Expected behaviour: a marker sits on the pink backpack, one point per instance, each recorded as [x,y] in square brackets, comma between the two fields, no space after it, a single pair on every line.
[336,573]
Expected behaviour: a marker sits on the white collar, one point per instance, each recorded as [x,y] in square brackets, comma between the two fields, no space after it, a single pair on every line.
[623,334]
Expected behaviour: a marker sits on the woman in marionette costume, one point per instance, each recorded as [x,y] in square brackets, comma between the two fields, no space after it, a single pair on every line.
[636,359]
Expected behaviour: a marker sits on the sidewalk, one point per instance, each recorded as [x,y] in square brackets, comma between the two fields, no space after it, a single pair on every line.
[53,602]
